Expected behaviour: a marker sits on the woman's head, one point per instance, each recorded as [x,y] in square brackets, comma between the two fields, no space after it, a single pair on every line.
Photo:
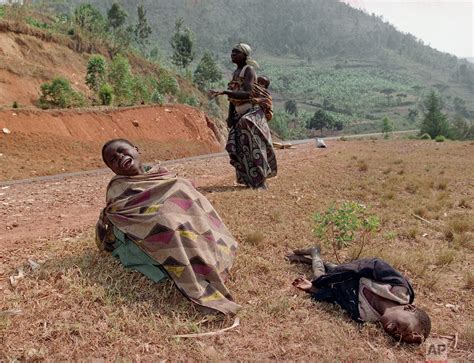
[407,323]
[122,157]
[241,55]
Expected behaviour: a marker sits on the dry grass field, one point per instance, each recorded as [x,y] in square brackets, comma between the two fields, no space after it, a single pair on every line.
[81,304]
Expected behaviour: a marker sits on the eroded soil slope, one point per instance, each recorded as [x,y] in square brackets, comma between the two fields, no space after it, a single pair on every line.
[51,142]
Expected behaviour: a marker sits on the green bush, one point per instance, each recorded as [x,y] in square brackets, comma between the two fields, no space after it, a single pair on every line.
[140,93]
[187,99]
[120,78]
[344,226]
[425,136]
[106,94]
[167,84]
[59,93]
[15,104]
[96,72]
[440,138]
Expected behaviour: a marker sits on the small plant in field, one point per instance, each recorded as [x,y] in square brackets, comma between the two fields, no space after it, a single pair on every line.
[362,165]
[254,238]
[425,137]
[345,226]
[442,185]
[440,138]
[343,138]
[15,104]
[445,257]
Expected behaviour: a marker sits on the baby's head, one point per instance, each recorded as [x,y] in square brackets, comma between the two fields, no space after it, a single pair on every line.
[122,157]
[263,81]
[407,323]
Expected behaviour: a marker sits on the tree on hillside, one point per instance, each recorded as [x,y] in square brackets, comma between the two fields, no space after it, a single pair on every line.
[96,72]
[412,114]
[320,120]
[388,93]
[206,72]
[434,122]
[116,16]
[461,129]
[182,44]
[291,107]
[142,29]
[120,78]
[89,18]
[387,126]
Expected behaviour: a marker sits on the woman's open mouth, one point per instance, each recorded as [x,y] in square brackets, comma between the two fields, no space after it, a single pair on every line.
[126,162]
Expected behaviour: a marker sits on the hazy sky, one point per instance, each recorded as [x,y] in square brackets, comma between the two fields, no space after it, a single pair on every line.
[446,25]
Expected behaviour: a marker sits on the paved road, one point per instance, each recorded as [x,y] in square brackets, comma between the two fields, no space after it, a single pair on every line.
[177,161]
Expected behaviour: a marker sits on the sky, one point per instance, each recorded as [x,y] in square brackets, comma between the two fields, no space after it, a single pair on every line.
[446,25]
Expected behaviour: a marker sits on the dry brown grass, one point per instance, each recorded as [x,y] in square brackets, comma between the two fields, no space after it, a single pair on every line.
[82,304]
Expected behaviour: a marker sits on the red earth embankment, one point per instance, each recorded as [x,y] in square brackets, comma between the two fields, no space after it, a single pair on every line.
[57,141]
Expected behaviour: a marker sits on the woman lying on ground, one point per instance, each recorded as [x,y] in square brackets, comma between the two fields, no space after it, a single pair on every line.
[250,143]
[369,290]
[162,226]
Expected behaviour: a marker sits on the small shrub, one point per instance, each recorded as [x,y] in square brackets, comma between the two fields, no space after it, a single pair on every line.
[106,94]
[254,238]
[412,233]
[15,104]
[425,137]
[345,226]
[445,257]
[59,93]
[441,185]
[440,138]
[343,138]
[166,84]
[139,91]
[188,99]
[362,165]
[459,224]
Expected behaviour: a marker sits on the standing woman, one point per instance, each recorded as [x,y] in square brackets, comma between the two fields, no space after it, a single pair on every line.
[250,143]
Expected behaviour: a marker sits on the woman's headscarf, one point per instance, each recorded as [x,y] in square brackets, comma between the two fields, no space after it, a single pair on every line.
[245,48]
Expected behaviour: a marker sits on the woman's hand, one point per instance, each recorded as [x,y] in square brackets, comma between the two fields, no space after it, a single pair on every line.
[214,93]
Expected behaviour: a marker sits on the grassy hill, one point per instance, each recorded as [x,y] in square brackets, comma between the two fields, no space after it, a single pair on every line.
[322,54]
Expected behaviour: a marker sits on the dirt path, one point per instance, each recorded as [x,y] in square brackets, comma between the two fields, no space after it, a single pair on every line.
[53,208]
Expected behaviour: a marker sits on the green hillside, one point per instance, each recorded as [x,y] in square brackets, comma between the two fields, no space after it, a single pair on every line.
[322,54]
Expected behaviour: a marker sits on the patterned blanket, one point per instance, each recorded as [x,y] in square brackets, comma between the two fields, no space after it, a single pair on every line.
[176,226]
